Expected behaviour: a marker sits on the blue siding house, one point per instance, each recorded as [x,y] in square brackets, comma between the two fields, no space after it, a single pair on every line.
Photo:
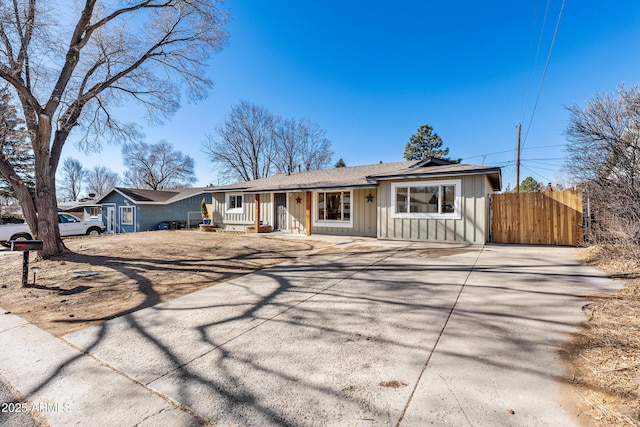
[129,210]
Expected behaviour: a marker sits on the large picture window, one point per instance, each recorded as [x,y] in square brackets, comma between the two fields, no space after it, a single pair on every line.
[332,209]
[426,199]
[126,215]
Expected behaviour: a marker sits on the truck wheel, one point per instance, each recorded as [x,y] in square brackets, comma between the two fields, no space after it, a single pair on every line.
[23,236]
[93,231]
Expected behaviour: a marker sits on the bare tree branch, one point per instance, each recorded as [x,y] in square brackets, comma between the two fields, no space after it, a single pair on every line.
[73,177]
[101,180]
[604,157]
[157,166]
[72,76]
[252,144]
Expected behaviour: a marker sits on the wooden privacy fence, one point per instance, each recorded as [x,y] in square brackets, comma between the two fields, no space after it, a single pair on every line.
[550,218]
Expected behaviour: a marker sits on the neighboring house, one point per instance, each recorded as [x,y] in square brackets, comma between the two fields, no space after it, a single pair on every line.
[128,210]
[86,209]
[431,199]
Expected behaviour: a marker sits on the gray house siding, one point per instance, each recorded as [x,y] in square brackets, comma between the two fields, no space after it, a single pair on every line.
[472,227]
[224,219]
[297,212]
[362,211]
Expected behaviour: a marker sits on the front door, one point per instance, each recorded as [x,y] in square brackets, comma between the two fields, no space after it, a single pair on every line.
[280,214]
[111,219]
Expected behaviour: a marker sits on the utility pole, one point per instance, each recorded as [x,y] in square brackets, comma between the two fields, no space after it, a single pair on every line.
[518,161]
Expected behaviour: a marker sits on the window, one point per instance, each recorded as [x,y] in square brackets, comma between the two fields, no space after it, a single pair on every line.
[333,209]
[426,199]
[234,203]
[94,212]
[126,215]
[66,218]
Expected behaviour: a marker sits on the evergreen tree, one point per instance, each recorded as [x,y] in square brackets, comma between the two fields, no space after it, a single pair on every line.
[340,164]
[425,143]
[15,148]
[530,185]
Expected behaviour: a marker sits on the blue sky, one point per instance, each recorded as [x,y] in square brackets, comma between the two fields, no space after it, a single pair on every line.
[371,72]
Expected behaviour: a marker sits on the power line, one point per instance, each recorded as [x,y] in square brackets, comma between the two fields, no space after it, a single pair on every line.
[544,73]
[544,178]
[535,58]
[509,151]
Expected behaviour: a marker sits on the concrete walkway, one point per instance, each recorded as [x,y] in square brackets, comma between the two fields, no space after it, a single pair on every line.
[377,333]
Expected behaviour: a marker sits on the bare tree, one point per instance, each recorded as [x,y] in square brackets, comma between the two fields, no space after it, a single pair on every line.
[69,73]
[101,180]
[300,143]
[244,148]
[252,144]
[604,157]
[315,148]
[156,166]
[73,176]
[286,133]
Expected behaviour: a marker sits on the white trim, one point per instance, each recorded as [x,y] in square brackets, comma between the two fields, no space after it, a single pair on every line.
[332,223]
[437,182]
[133,216]
[111,225]
[285,226]
[227,203]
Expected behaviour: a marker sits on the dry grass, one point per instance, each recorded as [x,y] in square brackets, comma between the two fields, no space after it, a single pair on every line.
[129,272]
[605,354]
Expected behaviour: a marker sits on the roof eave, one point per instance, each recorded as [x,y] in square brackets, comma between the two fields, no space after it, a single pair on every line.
[306,188]
[146,202]
[496,183]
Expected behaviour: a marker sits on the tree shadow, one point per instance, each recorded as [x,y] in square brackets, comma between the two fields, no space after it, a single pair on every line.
[331,328]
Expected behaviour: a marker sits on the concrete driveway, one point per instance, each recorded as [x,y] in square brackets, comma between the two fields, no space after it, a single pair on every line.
[379,333]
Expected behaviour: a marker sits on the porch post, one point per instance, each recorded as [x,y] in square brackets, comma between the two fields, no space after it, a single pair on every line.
[308,214]
[257,211]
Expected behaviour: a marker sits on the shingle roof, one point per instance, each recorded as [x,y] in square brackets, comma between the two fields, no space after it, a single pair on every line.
[494,173]
[139,195]
[353,176]
[71,206]
[360,176]
[157,196]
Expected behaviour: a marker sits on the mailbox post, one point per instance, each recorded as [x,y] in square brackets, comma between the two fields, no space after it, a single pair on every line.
[25,246]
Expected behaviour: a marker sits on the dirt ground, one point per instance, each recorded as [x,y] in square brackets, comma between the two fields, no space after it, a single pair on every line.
[111,275]
[604,356]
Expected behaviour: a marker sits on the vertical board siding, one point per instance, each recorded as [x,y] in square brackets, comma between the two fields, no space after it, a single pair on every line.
[217,208]
[222,218]
[470,228]
[297,212]
[363,212]
[553,218]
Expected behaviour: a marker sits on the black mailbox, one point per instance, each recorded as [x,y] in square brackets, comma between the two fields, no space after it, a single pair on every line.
[26,245]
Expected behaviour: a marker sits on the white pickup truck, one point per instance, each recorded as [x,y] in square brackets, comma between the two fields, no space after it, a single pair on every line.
[69,225]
